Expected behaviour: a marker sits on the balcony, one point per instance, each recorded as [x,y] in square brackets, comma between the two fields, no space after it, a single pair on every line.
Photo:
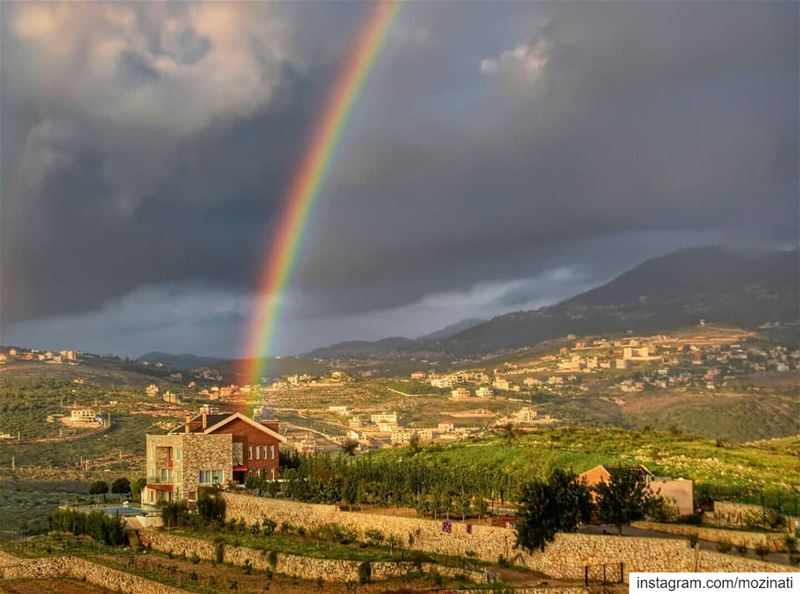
[164,477]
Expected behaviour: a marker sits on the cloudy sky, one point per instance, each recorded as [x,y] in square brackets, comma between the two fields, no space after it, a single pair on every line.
[502,156]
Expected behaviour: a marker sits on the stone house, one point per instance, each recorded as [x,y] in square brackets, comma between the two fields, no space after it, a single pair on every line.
[678,491]
[207,450]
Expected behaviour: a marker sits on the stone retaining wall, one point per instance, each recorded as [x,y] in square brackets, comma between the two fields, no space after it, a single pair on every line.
[738,515]
[565,558]
[81,569]
[774,542]
[308,568]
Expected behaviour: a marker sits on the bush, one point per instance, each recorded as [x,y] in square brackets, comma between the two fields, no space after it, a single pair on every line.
[272,558]
[211,505]
[761,550]
[336,533]
[741,548]
[219,552]
[267,526]
[373,537]
[175,513]
[693,538]
[364,572]
[288,528]
[248,567]
[662,510]
[694,519]
[724,545]
[101,527]
[195,558]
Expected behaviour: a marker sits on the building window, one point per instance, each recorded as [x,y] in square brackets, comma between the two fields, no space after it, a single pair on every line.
[208,477]
[272,452]
[265,452]
[249,452]
[177,453]
[258,453]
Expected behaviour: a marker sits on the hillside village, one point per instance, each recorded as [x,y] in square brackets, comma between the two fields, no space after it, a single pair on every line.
[282,451]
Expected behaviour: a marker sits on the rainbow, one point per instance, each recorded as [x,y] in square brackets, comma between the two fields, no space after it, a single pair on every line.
[304,188]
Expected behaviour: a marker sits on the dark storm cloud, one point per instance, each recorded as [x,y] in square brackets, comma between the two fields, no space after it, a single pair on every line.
[148,145]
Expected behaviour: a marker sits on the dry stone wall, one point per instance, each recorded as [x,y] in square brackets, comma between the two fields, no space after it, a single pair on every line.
[309,568]
[81,569]
[751,539]
[567,557]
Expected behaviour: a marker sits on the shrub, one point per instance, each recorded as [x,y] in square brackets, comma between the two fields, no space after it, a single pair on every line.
[373,536]
[195,558]
[175,514]
[101,527]
[693,538]
[741,548]
[724,545]
[336,533]
[268,526]
[211,505]
[288,528]
[364,572]
[248,567]
[761,550]
[694,519]
[219,552]
[272,558]
[662,510]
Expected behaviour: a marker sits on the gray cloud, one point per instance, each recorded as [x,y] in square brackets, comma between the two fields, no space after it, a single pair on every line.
[146,145]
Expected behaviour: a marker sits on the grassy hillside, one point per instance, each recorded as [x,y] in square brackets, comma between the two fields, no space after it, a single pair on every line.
[741,470]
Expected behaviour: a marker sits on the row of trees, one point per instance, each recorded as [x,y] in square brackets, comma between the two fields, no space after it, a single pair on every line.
[209,511]
[120,486]
[100,526]
[561,503]
[434,488]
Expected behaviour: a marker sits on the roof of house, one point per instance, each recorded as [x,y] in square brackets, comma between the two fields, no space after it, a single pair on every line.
[216,421]
[616,470]
[196,423]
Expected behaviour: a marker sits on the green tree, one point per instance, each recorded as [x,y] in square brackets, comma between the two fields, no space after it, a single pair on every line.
[623,499]
[349,447]
[136,488]
[211,505]
[121,486]
[99,488]
[559,504]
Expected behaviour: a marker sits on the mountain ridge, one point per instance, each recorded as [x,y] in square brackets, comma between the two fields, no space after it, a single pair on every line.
[722,285]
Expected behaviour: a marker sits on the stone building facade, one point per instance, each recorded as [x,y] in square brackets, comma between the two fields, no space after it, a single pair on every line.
[206,450]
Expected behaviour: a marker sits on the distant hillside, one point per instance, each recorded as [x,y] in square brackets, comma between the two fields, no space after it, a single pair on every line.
[355,349]
[711,283]
[362,348]
[719,285]
[180,362]
[230,367]
[452,329]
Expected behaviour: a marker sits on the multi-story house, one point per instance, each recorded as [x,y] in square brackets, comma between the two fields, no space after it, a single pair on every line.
[207,450]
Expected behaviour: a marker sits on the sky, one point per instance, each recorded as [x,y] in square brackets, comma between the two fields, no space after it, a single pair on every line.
[502,156]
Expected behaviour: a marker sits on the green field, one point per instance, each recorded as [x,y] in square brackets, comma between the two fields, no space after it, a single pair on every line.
[743,471]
